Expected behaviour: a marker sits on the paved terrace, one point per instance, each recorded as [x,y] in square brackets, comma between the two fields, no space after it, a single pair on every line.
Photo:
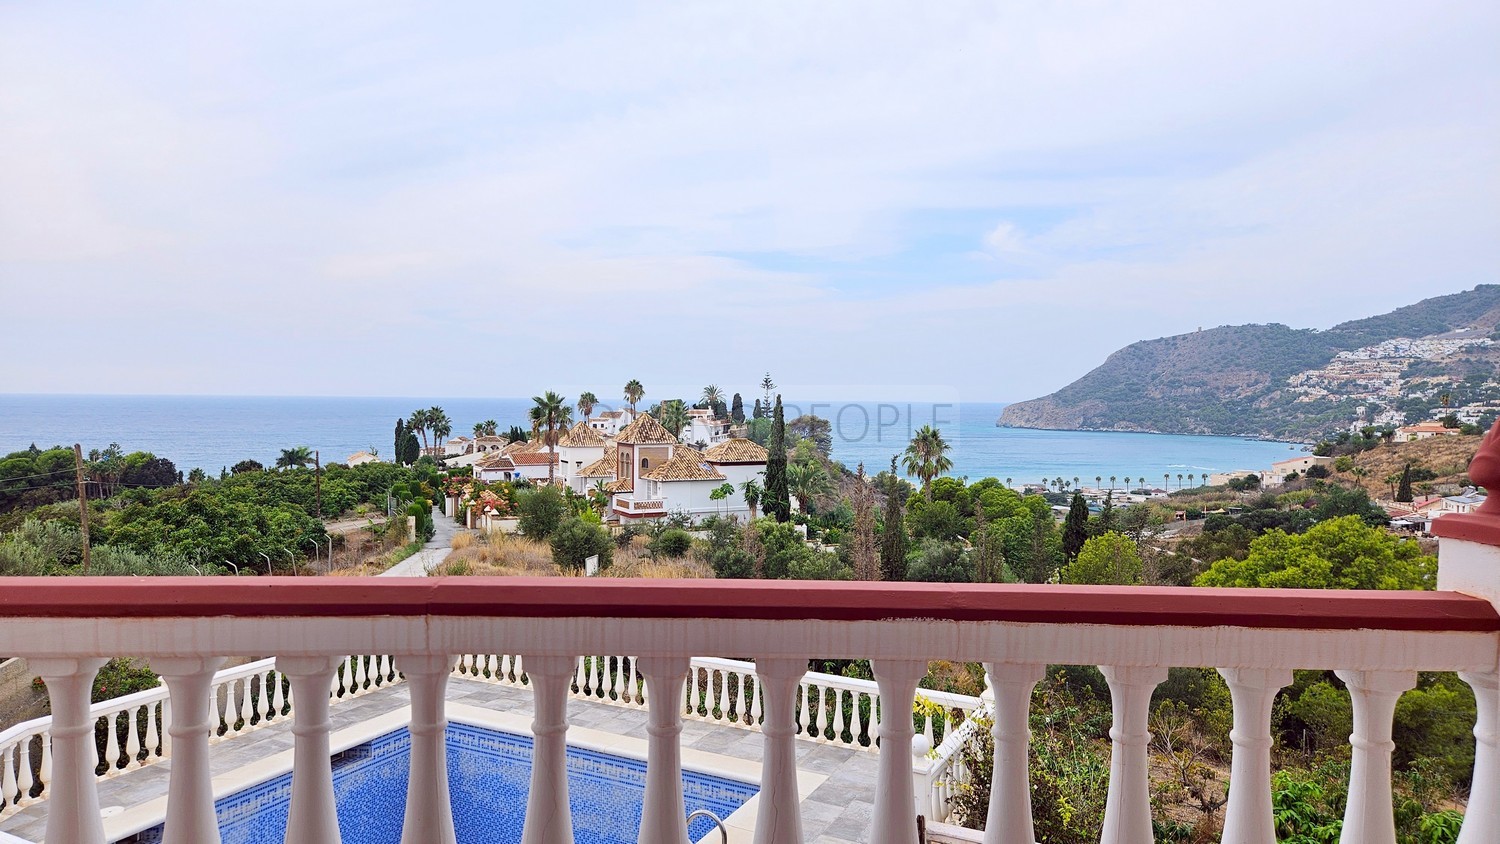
[839,811]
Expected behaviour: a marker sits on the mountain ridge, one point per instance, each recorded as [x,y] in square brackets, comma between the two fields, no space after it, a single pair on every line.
[1252,380]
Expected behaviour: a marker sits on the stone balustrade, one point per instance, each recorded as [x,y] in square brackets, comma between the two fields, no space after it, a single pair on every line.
[67,627]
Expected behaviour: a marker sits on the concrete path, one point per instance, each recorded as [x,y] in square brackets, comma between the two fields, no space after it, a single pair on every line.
[435,551]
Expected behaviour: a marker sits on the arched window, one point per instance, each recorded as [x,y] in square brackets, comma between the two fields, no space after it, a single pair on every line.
[645,463]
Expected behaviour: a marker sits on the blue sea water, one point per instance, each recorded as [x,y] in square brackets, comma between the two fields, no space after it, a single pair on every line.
[489,778]
[212,432]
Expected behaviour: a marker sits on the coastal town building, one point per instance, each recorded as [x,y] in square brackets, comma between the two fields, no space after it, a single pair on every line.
[1422,431]
[580,446]
[1281,468]
[611,422]
[360,458]
[457,446]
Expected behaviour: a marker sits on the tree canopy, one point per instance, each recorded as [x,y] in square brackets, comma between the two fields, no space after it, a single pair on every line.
[1341,553]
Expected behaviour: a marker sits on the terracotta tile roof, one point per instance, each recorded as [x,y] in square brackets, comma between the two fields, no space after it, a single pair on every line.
[533,458]
[686,465]
[645,430]
[581,436]
[491,439]
[737,450]
[604,467]
[622,485]
[523,447]
[495,460]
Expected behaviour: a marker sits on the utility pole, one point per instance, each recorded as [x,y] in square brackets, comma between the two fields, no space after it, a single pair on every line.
[318,483]
[83,503]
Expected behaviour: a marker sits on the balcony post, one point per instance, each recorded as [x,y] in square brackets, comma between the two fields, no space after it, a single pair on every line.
[1009,820]
[1248,819]
[190,795]
[429,811]
[1127,807]
[313,817]
[1482,818]
[895,820]
[548,818]
[780,818]
[664,816]
[1369,817]
[73,816]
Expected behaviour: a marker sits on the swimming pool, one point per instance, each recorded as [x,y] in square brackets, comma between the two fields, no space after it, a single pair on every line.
[489,777]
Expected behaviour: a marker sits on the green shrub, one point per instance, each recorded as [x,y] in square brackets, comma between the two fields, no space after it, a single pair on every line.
[672,542]
[541,511]
[575,540]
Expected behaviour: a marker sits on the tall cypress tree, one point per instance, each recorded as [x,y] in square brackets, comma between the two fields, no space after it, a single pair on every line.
[893,532]
[1403,491]
[1075,527]
[759,411]
[778,499]
[737,410]
[399,451]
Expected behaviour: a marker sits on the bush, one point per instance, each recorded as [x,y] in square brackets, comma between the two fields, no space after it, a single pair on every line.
[935,561]
[575,540]
[541,511]
[672,542]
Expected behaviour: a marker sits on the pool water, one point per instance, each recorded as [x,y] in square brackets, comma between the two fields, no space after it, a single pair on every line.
[489,777]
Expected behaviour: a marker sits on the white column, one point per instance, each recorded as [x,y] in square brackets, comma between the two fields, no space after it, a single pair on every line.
[1127,808]
[1248,819]
[664,817]
[895,820]
[548,818]
[429,810]
[1482,819]
[313,818]
[190,793]
[1009,818]
[780,818]
[73,793]
[1369,817]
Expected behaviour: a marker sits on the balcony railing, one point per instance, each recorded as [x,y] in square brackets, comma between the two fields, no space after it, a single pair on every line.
[1377,642]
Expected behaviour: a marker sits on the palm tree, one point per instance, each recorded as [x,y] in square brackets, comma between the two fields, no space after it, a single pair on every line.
[753,492]
[927,457]
[442,426]
[294,458]
[673,416]
[1190,478]
[1075,481]
[1111,483]
[551,412]
[1007,483]
[1166,480]
[478,430]
[491,427]
[806,481]
[586,402]
[712,396]
[600,495]
[1179,480]
[633,393]
[418,423]
[1098,481]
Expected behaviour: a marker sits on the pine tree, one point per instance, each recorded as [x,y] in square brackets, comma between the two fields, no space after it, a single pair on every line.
[778,500]
[399,452]
[737,410]
[1075,527]
[759,412]
[893,535]
[1403,491]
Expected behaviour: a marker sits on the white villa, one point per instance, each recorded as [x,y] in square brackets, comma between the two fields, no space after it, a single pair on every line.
[611,422]
[457,446]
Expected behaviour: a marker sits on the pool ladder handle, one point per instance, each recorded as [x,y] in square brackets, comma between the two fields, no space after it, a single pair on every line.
[723,833]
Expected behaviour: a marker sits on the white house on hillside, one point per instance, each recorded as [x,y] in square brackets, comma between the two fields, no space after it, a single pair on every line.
[581,446]
[457,446]
[611,422]
[702,427]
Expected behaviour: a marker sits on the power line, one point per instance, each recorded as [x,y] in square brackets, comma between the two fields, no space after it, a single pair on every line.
[42,475]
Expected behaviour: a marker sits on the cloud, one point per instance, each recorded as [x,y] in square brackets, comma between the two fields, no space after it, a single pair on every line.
[831,189]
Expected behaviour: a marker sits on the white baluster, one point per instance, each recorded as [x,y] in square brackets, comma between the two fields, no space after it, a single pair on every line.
[1248,819]
[44,771]
[153,737]
[780,819]
[579,679]
[132,737]
[313,818]
[246,704]
[664,816]
[73,817]
[927,726]
[718,685]
[278,693]
[429,812]
[548,819]
[1369,817]
[386,665]
[520,669]
[9,790]
[1482,819]
[620,688]
[190,795]
[26,780]
[694,693]
[112,747]
[839,722]
[1009,820]
[1127,807]
[336,682]
[895,819]
[757,701]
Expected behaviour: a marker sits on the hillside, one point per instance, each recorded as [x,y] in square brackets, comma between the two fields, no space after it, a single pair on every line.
[1445,459]
[1276,381]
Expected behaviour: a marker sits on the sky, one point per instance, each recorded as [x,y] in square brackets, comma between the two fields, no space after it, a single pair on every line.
[885,200]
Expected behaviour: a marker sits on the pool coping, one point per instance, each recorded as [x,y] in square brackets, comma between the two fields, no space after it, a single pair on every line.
[740,825]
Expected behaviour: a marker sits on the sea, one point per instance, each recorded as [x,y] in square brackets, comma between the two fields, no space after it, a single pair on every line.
[214,432]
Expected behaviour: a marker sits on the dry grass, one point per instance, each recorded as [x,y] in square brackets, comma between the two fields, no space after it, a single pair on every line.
[498,554]
[1447,456]
[461,541]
